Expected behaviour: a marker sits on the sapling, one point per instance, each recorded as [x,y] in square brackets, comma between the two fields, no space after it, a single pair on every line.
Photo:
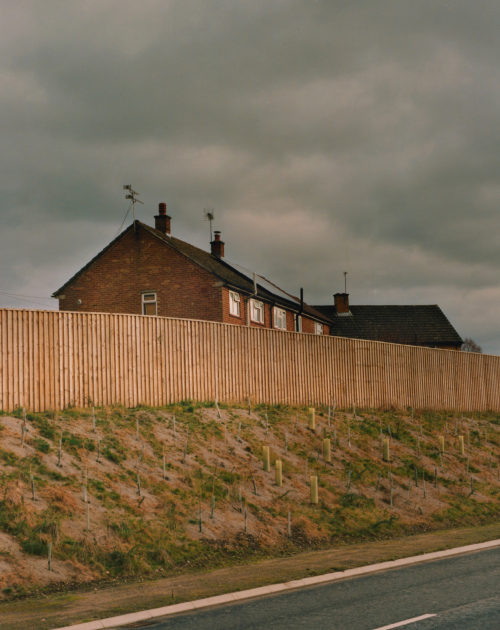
[289,523]
[49,556]
[461,445]
[138,481]
[266,458]
[314,488]
[218,410]
[387,452]
[88,515]
[199,515]
[98,460]
[23,432]
[311,418]
[416,477]
[327,452]
[212,506]
[245,516]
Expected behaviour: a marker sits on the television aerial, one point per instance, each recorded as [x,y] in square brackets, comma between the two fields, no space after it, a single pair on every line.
[210,216]
[132,195]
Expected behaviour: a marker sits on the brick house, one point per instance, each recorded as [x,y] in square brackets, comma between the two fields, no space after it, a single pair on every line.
[147,271]
[414,325]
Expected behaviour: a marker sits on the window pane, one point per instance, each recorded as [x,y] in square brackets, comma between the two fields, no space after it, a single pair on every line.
[149,308]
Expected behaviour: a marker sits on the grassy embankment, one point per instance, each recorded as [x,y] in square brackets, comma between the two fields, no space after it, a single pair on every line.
[213,504]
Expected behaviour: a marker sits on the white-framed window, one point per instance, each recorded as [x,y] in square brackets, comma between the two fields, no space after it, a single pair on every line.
[298,322]
[318,328]
[149,304]
[279,318]
[257,311]
[234,303]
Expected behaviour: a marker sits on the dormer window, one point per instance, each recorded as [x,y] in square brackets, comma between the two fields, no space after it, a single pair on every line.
[149,304]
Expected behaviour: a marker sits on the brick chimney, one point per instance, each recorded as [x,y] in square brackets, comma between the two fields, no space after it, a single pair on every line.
[341,303]
[217,246]
[162,220]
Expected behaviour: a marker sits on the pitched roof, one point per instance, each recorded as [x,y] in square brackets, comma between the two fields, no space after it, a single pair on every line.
[414,325]
[214,265]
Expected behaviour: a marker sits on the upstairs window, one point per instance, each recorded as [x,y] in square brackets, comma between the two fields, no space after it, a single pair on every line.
[257,311]
[149,306]
[318,328]
[279,316]
[234,303]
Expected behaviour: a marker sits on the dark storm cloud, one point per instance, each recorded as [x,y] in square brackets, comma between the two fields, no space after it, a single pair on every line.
[327,135]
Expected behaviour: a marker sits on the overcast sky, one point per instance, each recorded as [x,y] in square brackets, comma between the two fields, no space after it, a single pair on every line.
[327,135]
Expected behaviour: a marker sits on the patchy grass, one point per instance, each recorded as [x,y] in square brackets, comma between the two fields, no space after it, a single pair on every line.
[156,469]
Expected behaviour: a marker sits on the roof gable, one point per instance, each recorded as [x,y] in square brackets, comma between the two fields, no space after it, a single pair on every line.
[214,265]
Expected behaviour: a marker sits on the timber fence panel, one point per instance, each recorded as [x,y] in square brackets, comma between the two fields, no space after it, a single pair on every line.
[50,359]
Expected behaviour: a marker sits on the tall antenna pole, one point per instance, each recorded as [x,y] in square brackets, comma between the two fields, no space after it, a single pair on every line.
[345,281]
[132,195]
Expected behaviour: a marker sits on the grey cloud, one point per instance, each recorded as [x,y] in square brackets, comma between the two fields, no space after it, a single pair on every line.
[327,135]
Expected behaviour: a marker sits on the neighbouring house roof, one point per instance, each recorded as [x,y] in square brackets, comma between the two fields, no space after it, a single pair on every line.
[413,325]
[214,265]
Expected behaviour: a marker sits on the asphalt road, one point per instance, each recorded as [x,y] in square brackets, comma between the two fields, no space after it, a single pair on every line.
[461,593]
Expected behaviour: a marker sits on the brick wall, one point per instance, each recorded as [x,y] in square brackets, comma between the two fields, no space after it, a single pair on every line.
[227,318]
[138,263]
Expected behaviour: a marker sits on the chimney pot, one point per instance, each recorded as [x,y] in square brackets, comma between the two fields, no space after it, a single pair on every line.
[217,246]
[162,220]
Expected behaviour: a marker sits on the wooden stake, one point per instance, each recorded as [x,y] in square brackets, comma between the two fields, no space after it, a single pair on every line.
[49,556]
[59,452]
[93,419]
[249,406]
[278,472]
[32,481]
[137,428]
[245,520]
[88,515]
[98,460]
[289,524]
[212,506]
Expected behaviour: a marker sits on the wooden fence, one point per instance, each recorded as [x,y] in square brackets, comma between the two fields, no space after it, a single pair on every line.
[51,360]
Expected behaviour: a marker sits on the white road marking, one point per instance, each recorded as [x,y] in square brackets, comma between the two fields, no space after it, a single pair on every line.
[406,622]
